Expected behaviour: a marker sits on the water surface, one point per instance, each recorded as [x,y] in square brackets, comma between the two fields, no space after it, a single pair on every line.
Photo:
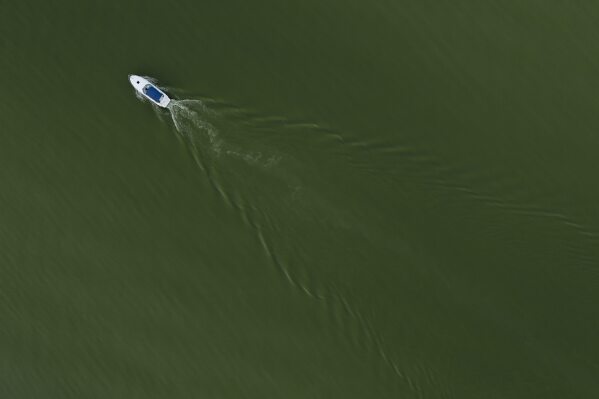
[349,200]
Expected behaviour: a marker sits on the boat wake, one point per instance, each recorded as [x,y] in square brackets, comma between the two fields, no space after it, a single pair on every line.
[203,128]
[290,179]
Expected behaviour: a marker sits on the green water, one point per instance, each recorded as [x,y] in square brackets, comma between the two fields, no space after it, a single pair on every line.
[392,199]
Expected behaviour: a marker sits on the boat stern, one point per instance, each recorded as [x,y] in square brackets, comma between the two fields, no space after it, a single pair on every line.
[164,101]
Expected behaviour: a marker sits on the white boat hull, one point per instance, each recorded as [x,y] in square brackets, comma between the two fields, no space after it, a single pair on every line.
[149,90]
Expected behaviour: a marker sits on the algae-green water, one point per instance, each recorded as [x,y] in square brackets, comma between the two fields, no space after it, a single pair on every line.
[392,199]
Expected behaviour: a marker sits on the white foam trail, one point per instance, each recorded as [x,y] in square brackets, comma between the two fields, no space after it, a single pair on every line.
[198,125]
[191,125]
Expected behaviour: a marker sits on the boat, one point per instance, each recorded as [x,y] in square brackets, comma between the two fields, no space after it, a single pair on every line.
[149,90]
